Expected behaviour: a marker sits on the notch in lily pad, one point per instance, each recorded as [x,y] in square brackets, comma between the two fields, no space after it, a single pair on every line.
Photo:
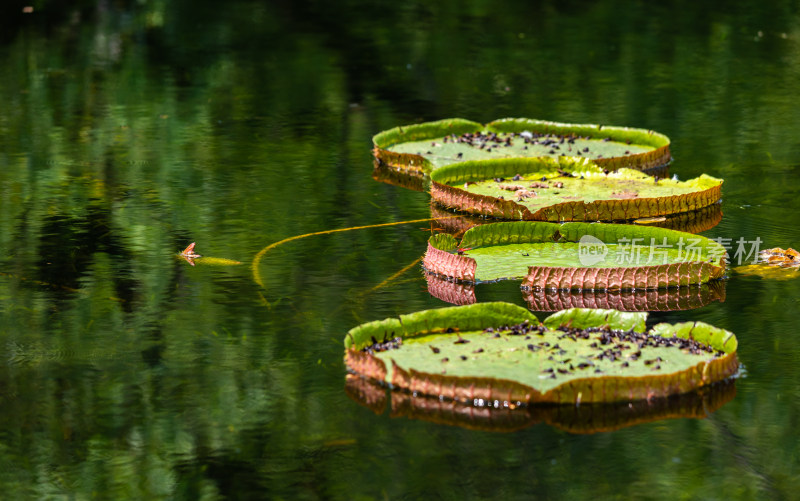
[500,355]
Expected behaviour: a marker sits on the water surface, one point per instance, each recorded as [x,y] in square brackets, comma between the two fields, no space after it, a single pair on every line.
[130,129]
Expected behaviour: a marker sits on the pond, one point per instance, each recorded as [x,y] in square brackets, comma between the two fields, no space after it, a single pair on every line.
[130,129]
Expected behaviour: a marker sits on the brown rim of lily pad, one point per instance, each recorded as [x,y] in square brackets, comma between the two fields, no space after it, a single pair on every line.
[656,158]
[578,419]
[458,187]
[480,324]
[450,259]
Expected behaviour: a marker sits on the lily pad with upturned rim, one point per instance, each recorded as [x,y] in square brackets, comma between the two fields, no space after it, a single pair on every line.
[498,354]
[565,189]
[427,146]
[576,256]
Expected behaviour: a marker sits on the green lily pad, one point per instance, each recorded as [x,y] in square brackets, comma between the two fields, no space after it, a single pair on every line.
[498,354]
[584,418]
[427,146]
[576,256]
[565,189]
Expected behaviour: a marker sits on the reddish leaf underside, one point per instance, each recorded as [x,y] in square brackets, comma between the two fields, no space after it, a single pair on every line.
[656,158]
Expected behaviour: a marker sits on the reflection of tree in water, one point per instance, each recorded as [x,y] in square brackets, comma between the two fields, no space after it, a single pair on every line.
[67,247]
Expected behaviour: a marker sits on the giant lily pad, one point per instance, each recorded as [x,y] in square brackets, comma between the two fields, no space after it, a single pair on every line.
[585,418]
[427,146]
[396,177]
[576,256]
[499,354]
[565,189]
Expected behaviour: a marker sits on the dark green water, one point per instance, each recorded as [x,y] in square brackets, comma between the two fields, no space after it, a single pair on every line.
[130,129]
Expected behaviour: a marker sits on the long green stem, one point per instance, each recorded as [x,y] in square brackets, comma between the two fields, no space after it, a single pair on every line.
[260,254]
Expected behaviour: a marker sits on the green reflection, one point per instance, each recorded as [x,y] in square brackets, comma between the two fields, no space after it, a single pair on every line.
[129,129]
